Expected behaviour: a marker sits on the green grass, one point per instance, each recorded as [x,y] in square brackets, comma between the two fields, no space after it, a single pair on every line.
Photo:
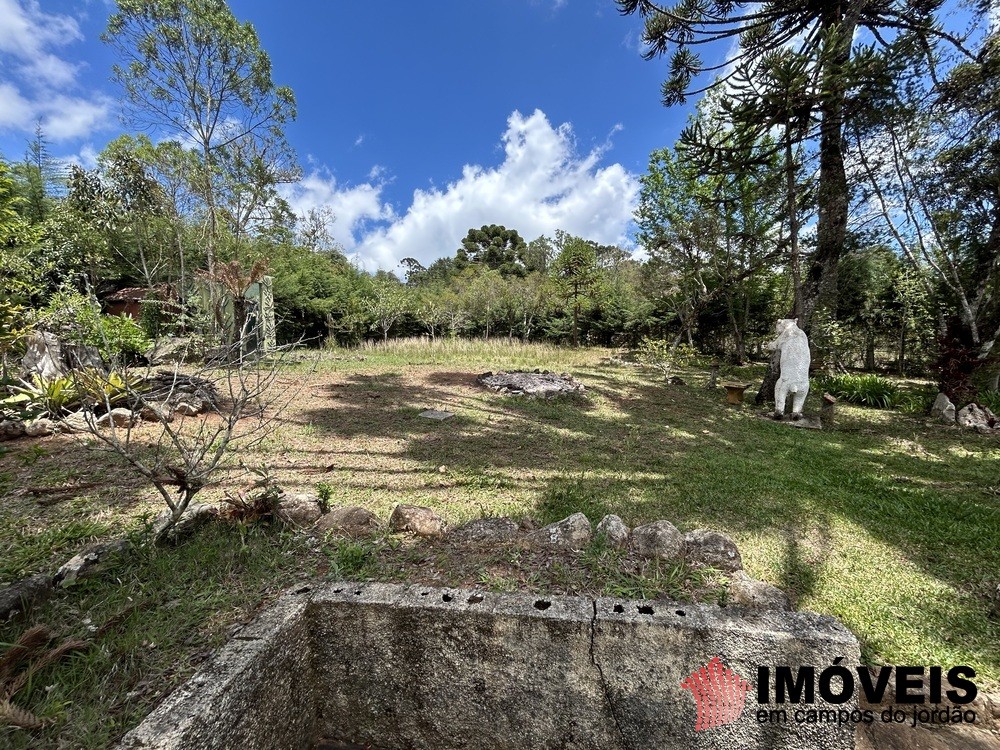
[151,622]
[887,521]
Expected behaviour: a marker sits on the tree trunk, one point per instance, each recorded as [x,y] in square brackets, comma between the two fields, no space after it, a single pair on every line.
[870,351]
[765,394]
[820,287]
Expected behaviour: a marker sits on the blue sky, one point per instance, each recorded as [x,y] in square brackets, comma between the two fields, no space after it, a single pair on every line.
[416,120]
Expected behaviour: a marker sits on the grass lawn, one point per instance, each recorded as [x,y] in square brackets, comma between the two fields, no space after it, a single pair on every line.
[887,521]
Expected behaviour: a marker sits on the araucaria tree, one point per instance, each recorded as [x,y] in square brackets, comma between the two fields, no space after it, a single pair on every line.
[840,69]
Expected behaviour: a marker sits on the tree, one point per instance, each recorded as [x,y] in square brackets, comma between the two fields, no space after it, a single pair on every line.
[187,453]
[313,231]
[497,248]
[385,303]
[576,269]
[189,66]
[841,70]
[39,174]
[931,159]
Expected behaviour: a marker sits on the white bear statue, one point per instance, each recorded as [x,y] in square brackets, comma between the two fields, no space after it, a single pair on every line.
[793,346]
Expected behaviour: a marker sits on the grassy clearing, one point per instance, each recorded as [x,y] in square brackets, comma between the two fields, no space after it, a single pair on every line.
[887,521]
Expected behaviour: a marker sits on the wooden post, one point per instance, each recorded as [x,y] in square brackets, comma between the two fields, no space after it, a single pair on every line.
[713,378]
[827,412]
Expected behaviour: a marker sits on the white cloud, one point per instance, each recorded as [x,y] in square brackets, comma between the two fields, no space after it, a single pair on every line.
[36,84]
[16,112]
[542,185]
[65,117]
[359,140]
[354,207]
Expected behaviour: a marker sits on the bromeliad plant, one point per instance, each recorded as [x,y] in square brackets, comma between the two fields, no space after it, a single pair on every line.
[47,396]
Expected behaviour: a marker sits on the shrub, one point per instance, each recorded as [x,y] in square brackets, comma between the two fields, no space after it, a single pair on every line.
[75,317]
[991,400]
[867,390]
[663,356]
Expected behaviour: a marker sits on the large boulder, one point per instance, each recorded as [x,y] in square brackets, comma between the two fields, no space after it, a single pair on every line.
[40,427]
[747,592]
[416,520]
[943,409]
[157,413]
[119,417]
[11,429]
[572,532]
[713,550]
[486,531]
[977,417]
[299,509]
[78,421]
[192,519]
[350,520]
[43,357]
[20,596]
[614,531]
[81,356]
[657,540]
[173,350]
[88,562]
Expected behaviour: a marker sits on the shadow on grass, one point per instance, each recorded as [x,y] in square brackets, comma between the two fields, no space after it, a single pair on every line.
[645,450]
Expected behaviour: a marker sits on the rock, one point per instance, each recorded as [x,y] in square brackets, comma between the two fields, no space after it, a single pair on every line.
[713,550]
[614,530]
[977,417]
[660,540]
[440,416]
[87,563]
[11,429]
[486,530]
[75,422]
[747,592]
[40,427]
[187,407]
[157,413]
[299,510]
[43,357]
[416,520]
[573,532]
[22,595]
[544,383]
[81,356]
[943,409]
[191,520]
[351,520]
[119,417]
[170,350]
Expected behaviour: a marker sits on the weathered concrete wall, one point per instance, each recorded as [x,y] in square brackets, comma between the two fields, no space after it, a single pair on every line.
[413,667]
[417,668]
[257,694]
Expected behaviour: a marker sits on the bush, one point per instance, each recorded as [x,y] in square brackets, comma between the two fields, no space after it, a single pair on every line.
[663,356]
[867,390]
[77,318]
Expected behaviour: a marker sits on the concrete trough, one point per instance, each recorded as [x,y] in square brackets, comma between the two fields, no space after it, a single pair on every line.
[398,667]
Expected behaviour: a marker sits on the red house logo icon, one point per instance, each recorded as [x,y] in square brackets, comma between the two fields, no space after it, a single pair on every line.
[719,694]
